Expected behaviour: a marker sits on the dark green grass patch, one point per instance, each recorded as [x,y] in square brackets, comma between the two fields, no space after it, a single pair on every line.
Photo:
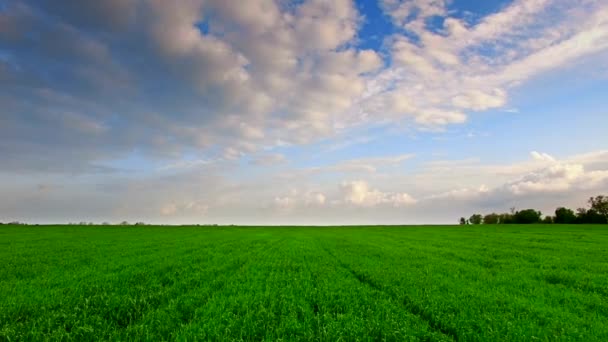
[487,283]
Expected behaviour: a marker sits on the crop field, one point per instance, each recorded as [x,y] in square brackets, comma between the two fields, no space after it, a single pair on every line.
[431,283]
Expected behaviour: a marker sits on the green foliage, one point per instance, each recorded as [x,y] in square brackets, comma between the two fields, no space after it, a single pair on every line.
[599,204]
[596,214]
[527,216]
[564,216]
[590,216]
[492,218]
[507,218]
[475,219]
[314,284]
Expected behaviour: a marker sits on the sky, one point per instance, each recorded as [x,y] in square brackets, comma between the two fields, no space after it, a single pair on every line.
[300,111]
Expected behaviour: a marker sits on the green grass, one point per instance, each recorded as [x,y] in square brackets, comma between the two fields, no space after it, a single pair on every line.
[487,283]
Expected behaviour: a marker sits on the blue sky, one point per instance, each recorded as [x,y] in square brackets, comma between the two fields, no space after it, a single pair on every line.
[300,112]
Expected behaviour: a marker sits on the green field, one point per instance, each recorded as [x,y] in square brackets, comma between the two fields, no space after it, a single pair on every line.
[486,283]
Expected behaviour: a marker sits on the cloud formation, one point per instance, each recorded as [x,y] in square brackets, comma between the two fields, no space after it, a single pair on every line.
[229,78]
[465,66]
[215,108]
[359,193]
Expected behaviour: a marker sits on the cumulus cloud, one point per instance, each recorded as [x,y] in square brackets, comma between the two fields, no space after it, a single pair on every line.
[229,78]
[298,199]
[93,88]
[558,177]
[257,73]
[359,193]
[402,11]
[545,175]
[472,65]
[544,157]
[315,198]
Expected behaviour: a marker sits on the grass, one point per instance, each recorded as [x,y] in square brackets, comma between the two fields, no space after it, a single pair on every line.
[434,283]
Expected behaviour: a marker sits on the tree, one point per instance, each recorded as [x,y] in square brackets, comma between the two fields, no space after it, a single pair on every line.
[475,219]
[600,205]
[564,216]
[506,218]
[527,216]
[463,221]
[548,219]
[589,216]
[492,218]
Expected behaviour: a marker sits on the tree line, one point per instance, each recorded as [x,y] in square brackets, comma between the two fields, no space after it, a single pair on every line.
[597,213]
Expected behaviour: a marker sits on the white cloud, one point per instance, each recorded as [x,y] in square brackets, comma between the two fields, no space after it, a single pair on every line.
[402,11]
[264,72]
[213,81]
[461,194]
[442,75]
[478,100]
[544,175]
[315,198]
[359,193]
[435,192]
[295,199]
[260,72]
[558,177]
[542,157]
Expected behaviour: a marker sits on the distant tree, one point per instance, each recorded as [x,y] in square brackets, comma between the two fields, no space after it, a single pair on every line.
[506,218]
[564,216]
[595,217]
[475,219]
[581,215]
[463,221]
[124,223]
[527,216]
[105,223]
[140,224]
[492,218]
[548,219]
[600,205]
[590,216]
